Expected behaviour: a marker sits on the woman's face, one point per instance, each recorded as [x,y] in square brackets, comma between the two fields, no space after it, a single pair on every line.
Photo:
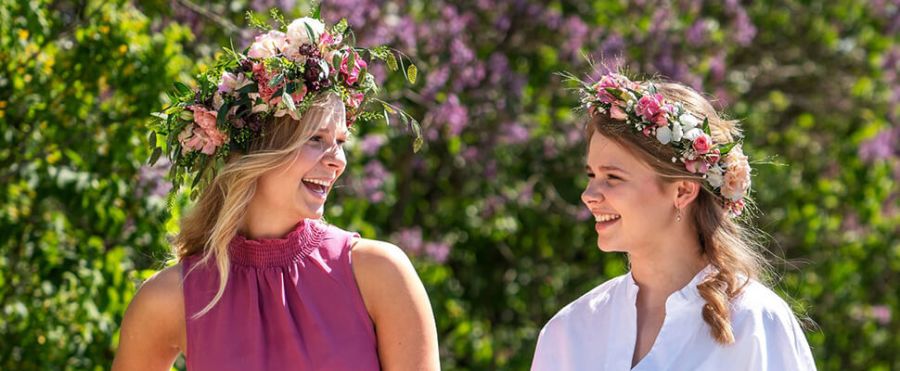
[302,184]
[633,209]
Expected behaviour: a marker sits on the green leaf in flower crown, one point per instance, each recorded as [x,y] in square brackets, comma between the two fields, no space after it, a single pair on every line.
[615,92]
[725,148]
[278,17]
[288,101]
[340,27]
[317,11]
[418,141]
[152,139]
[155,155]
[391,61]
[411,73]
[250,88]
[706,125]
[182,89]
[311,34]
[276,80]
[222,115]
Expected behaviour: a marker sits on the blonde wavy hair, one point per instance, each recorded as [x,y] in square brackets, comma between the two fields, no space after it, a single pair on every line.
[732,248]
[214,220]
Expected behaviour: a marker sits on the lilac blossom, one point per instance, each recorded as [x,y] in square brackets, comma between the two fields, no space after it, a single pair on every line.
[375,173]
[882,146]
[409,239]
[371,143]
[437,251]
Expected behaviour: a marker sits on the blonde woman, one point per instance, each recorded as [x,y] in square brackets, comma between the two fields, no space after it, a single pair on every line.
[263,283]
[667,178]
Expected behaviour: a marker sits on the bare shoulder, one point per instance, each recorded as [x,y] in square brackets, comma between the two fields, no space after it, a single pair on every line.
[398,305]
[386,277]
[153,329]
[161,294]
[378,256]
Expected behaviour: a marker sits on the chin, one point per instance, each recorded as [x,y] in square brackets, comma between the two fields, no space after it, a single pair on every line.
[608,247]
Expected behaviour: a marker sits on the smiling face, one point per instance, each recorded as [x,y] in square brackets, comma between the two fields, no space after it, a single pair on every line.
[632,207]
[299,187]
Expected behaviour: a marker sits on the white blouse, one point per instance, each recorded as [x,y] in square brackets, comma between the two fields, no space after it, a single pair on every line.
[598,332]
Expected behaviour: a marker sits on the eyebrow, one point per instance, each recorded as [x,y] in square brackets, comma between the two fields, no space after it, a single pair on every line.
[607,168]
[325,130]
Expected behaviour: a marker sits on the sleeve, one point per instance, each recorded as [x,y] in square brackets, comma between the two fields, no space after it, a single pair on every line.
[774,339]
[547,353]
[787,346]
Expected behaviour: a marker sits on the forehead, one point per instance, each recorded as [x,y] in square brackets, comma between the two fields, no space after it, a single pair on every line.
[603,152]
[333,119]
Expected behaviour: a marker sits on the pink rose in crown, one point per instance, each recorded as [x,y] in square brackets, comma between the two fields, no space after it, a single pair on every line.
[351,73]
[713,156]
[617,113]
[697,166]
[268,45]
[299,94]
[702,144]
[328,40]
[355,100]
[652,108]
[262,79]
[609,81]
[202,135]
[231,82]
[736,181]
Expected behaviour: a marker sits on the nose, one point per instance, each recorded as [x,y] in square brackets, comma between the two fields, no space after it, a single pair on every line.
[592,194]
[335,158]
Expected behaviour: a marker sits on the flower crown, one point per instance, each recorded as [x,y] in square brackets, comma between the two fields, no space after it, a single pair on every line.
[723,165]
[281,73]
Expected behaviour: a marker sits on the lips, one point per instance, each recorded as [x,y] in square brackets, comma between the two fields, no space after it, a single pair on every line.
[605,221]
[318,187]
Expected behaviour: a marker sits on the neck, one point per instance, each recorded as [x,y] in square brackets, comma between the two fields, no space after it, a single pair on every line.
[667,268]
[262,221]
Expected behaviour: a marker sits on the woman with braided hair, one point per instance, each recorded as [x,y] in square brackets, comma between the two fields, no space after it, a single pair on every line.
[667,182]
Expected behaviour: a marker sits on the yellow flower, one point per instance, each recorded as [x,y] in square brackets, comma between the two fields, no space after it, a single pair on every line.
[23,34]
[123,49]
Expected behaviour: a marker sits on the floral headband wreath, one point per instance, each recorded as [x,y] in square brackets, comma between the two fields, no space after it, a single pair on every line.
[281,73]
[723,166]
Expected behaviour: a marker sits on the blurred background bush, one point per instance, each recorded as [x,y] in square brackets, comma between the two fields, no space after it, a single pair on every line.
[489,210]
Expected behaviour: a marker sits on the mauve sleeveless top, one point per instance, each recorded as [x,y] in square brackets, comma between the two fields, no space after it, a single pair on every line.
[290,304]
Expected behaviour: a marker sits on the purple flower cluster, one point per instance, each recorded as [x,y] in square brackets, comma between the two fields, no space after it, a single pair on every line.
[410,239]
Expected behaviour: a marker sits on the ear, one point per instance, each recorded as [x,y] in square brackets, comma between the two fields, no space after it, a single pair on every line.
[686,191]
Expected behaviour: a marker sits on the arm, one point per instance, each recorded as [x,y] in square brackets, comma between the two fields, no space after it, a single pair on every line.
[153,332]
[396,300]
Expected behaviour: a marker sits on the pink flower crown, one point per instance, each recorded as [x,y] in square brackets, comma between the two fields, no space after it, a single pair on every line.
[281,73]
[724,166]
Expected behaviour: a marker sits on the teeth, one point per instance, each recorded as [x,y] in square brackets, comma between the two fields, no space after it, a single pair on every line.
[317,181]
[606,217]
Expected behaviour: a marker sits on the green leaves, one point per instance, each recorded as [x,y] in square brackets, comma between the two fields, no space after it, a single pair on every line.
[411,73]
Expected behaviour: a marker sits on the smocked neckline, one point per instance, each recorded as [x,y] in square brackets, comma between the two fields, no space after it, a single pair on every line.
[305,237]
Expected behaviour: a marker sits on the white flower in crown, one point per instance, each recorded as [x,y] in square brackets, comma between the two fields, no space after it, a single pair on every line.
[714,176]
[302,31]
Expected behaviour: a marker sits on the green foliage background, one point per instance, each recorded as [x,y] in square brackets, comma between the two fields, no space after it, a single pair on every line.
[83,221]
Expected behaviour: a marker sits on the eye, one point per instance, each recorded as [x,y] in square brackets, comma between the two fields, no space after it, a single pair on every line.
[613,177]
[316,138]
[590,175]
[341,142]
